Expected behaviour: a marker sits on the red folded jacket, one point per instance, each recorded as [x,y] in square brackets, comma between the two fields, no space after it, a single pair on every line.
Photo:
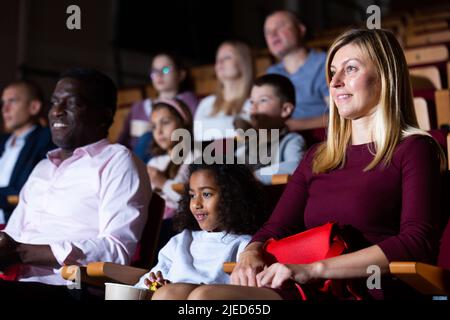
[310,246]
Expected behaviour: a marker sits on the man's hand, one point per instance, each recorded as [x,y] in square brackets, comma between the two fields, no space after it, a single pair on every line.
[8,251]
[12,252]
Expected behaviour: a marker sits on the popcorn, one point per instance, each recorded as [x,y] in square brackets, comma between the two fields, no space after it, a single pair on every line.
[155,286]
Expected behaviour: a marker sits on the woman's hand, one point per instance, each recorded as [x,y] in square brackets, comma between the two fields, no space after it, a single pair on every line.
[157,178]
[249,265]
[277,274]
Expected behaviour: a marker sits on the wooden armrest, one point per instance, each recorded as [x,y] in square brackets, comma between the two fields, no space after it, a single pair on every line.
[425,278]
[448,150]
[69,272]
[178,187]
[448,74]
[280,178]
[12,200]
[228,267]
[97,273]
[442,101]
[115,272]
[78,273]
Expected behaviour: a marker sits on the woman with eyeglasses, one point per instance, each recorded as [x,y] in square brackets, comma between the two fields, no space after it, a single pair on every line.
[171,79]
[217,114]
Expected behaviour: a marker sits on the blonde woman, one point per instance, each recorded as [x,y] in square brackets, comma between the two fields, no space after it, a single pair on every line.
[216,113]
[377,174]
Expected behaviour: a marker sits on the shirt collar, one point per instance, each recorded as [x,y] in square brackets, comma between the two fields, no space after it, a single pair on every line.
[22,136]
[91,150]
[311,56]
[284,131]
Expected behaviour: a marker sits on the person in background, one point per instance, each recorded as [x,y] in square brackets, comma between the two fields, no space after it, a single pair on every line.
[216,114]
[167,116]
[171,79]
[272,103]
[305,67]
[25,145]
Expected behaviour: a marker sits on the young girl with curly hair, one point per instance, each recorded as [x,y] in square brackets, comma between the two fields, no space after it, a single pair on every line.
[222,206]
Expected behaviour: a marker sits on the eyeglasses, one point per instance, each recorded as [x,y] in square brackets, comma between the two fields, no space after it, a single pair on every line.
[163,71]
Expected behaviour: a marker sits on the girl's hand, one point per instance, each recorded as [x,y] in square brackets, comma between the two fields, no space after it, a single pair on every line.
[157,178]
[249,265]
[278,273]
[155,280]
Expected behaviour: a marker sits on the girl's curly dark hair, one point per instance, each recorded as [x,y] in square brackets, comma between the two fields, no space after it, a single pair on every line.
[242,209]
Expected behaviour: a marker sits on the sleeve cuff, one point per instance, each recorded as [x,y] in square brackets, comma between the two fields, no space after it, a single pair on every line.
[393,250]
[264,178]
[62,251]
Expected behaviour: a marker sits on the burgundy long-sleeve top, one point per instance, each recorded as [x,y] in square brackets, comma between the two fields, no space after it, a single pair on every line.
[395,206]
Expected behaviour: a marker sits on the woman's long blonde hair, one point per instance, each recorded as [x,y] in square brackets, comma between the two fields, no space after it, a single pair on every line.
[245,65]
[395,118]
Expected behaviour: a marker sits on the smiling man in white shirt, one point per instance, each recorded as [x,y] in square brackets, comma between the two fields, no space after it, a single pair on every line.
[88,200]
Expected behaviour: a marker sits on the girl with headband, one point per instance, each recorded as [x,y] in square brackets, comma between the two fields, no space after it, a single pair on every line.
[167,116]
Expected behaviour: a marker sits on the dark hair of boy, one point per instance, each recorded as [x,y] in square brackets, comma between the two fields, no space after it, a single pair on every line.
[282,86]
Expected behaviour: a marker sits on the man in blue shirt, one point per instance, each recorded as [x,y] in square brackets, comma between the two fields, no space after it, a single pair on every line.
[284,35]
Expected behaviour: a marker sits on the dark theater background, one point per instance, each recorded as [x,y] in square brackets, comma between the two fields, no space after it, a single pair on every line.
[118,36]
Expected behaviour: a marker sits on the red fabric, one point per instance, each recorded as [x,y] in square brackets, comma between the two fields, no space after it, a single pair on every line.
[305,247]
[427,94]
[309,246]
[313,136]
[2,226]
[11,273]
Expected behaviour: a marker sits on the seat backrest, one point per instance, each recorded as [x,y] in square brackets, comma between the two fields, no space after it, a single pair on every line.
[273,192]
[427,27]
[421,110]
[424,14]
[442,98]
[125,99]
[261,64]
[443,138]
[313,136]
[150,91]
[426,55]
[145,252]
[428,38]
[204,79]
[425,78]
